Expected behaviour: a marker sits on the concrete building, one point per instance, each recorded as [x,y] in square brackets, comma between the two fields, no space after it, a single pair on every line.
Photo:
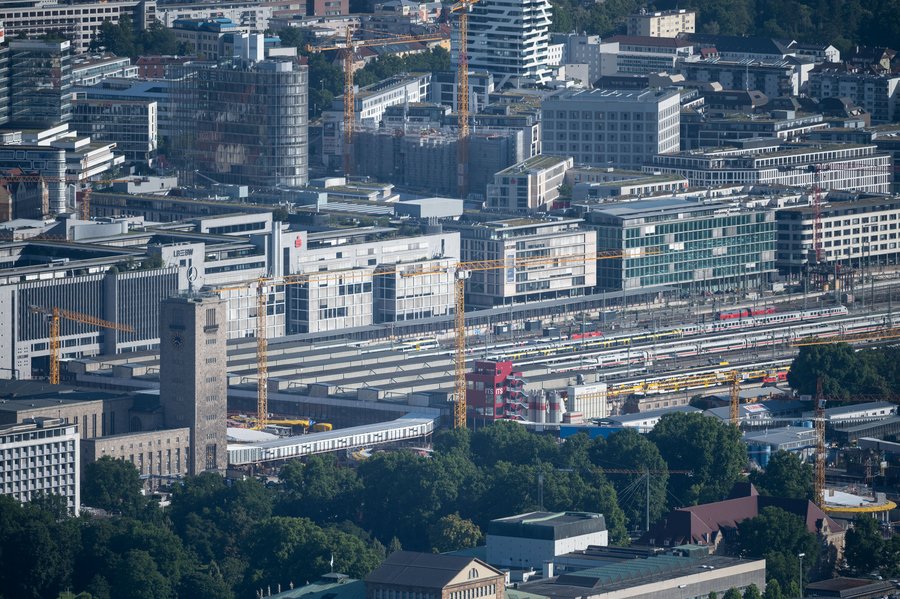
[798,440]
[41,455]
[247,14]
[588,400]
[356,280]
[169,125]
[89,280]
[566,245]
[245,120]
[78,21]
[370,102]
[724,129]
[603,127]
[663,573]
[860,231]
[878,93]
[850,167]
[689,244]
[590,50]
[434,576]
[529,186]
[157,455]
[509,39]
[773,77]
[193,384]
[597,183]
[666,23]
[204,38]
[443,89]
[92,69]
[643,55]
[533,539]
[131,125]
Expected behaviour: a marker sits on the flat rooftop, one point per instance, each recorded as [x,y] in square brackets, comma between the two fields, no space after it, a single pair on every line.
[548,525]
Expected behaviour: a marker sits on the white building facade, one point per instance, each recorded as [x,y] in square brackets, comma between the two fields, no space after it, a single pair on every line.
[612,127]
[509,39]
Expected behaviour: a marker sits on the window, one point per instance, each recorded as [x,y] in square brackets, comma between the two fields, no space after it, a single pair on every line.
[211,317]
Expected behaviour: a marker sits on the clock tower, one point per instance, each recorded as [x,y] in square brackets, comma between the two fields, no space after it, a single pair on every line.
[192,371]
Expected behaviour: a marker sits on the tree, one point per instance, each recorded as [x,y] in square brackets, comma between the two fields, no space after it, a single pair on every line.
[842,371]
[890,558]
[137,576]
[786,475]
[773,590]
[732,593]
[113,485]
[711,449]
[752,592]
[863,546]
[205,583]
[452,532]
[778,537]
[628,449]
[123,40]
[320,490]
[510,442]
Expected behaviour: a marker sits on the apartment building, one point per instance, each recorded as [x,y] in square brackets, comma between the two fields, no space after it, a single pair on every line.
[509,39]
[41,456]
[564,248]
[77,21]
[878,93]
[665,23]
[611,127]
[684,243]
[528,186]
[857,231]
[204,38]
[851,167]
[597,54]
[774,77]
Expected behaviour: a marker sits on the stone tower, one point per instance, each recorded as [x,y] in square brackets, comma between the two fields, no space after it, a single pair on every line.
[192,371]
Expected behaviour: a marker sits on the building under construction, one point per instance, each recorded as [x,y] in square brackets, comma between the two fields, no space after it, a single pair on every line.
[428,159]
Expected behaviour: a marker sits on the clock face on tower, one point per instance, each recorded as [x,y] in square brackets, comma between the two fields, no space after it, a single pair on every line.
[177,340]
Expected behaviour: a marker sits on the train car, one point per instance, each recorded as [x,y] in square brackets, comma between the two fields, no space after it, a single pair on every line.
[744,313]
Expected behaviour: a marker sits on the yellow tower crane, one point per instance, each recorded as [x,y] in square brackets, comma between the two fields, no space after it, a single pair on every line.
[55,315]
[348,50]
[736,398]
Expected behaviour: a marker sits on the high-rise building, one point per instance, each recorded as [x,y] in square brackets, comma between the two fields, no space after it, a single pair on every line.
[509,39]
[245,120]
[41,455]
[40,83]
[612,127]
[193,382]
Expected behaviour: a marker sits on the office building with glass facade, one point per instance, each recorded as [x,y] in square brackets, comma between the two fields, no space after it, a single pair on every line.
[40,83]
[683,243]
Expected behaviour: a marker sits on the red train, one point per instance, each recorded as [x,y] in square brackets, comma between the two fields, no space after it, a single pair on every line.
[744,313]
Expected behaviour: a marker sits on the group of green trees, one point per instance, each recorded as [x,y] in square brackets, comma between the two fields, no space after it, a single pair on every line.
[866,551]
[123,40]
[223,540]
[844,23]
[846,373]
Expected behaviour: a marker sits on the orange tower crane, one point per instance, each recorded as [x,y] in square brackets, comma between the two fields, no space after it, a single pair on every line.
[348,50]
[462,96]
[55,315]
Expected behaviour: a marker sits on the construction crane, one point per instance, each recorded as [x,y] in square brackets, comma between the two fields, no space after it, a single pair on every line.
[460,271]
[55,315]
[84,206]
[462,7]
[645,474]
[820,445]
[348,50]
[736,398]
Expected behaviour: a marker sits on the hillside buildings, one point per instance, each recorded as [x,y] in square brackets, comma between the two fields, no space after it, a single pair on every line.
[878,93]
[611,127]
[666,23]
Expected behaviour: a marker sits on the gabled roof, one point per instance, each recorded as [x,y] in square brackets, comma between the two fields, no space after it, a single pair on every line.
[426,570]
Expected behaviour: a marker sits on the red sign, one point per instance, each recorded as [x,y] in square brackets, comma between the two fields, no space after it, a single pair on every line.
[298,242]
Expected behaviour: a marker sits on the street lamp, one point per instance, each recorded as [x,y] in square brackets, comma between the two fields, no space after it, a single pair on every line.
[801,556]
